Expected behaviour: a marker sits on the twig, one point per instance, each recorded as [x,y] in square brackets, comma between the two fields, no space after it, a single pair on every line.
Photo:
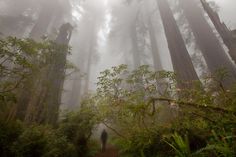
[204,117]
[15,86]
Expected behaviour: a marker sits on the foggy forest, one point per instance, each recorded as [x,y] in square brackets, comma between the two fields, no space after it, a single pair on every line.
[117,78]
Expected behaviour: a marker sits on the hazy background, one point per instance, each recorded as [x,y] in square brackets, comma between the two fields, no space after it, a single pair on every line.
[102,35]
[227,11]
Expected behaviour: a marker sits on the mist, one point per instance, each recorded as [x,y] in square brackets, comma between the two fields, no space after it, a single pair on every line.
[106,34]
[138,77]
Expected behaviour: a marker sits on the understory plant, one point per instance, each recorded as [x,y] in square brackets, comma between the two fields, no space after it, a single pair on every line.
[152,115]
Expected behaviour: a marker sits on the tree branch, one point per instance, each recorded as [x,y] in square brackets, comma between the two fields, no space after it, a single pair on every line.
[203,107]
[15,86]
[114,130]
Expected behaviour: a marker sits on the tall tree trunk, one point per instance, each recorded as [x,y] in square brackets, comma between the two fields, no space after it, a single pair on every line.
[135,49]
[222,29]
[32,98]
[14,21]
[44,106]
[90,56]
[88,67]
[181,60]
[154,47]
[211,48]
[43,21]
[29,90]
[75,95]
[58,75]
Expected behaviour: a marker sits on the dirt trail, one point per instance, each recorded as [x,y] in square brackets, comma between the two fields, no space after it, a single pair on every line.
[110,152]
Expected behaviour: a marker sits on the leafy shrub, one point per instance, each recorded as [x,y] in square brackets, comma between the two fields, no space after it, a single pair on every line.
[9,132]
[69,140]
[141,98]
[40,141]
[144,144]
[77,128]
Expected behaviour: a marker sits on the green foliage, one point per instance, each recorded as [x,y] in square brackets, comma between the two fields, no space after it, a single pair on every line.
[222,144]
[158,111]
[24,69]
[31,142]
[70,139]
[77,128]
[181,146]
[24,66]
[144,144]
[218,146]
[15,66]
[149,115]
[42,141]
[9,132]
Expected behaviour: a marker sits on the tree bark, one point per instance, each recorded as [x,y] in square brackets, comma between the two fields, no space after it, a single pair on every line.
[45,102]
[75,95]
[90,56]
[58,75]
[211,48]
[225,33]
[181,60]
[135,48]
[43,21]
[154,47]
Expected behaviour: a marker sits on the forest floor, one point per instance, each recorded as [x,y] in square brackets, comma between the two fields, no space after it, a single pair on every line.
[111,151]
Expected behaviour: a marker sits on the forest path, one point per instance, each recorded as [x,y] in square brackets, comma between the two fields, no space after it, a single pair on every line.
[111,151]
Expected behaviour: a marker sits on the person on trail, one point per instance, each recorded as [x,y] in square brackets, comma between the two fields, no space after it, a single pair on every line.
[104,137]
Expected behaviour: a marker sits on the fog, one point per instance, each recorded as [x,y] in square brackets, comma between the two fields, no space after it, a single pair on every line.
[227,11]
[108,33]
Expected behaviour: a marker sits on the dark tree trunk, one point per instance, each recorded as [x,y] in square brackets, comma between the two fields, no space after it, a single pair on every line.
[154,47]
[28,95]
[35,91]
[222,29]
[57,75]
[181,60]
[45,103]
[211,48]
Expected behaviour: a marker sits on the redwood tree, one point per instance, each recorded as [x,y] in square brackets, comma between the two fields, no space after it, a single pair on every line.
[210,46]
[181,60]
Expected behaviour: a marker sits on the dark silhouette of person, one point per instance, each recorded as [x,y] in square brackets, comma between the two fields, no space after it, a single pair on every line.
[104,137]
